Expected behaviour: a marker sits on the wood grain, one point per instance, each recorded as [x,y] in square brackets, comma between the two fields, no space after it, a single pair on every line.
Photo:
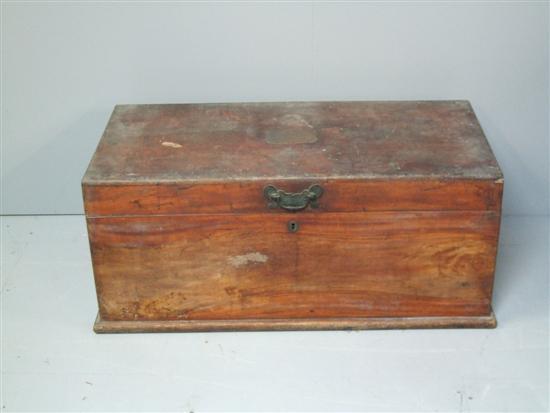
[338,196]
[249,266]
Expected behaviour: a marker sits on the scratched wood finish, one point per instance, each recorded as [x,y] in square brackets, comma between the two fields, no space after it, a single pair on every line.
[213,267]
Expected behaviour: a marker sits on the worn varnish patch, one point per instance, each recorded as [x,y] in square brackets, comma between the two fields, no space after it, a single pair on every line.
[250,258]
[171,144]
[291,129]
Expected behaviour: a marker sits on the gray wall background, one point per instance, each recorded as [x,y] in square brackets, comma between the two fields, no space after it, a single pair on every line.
[65,65]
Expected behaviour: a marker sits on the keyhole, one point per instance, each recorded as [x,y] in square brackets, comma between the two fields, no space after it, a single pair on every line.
[293,226]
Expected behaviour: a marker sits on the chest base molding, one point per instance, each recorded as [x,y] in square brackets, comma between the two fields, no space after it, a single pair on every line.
[365,323]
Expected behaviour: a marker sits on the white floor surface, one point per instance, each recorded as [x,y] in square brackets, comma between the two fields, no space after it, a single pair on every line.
[52,361]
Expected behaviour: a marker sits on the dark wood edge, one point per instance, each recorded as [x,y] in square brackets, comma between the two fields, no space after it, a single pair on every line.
[497,178]
[372,323]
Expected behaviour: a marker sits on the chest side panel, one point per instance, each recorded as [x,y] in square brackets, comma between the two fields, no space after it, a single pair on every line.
[250,266]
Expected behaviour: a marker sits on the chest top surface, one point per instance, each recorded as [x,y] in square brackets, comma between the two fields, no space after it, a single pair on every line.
[251,141]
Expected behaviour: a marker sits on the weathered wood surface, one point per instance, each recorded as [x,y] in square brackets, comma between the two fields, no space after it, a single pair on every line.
[371,323]
[308,140]
[228,266]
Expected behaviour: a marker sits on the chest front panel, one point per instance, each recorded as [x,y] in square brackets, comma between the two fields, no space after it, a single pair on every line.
[328,265]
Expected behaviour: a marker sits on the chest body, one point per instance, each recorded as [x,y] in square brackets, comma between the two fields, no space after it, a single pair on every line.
[293,215]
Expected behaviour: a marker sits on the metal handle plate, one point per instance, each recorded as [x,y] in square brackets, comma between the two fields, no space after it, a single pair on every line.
[293,201]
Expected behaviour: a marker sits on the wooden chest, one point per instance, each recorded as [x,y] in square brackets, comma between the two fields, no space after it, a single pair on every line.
[273,216]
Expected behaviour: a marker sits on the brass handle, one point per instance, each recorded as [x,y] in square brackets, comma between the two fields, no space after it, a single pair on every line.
[293,201]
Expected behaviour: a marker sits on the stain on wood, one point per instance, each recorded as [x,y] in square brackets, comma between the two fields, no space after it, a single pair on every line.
[404,236]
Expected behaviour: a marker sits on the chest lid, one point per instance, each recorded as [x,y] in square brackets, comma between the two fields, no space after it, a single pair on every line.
[195,158]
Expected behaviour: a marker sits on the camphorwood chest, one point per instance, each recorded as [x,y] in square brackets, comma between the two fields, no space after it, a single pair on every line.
[310,215]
